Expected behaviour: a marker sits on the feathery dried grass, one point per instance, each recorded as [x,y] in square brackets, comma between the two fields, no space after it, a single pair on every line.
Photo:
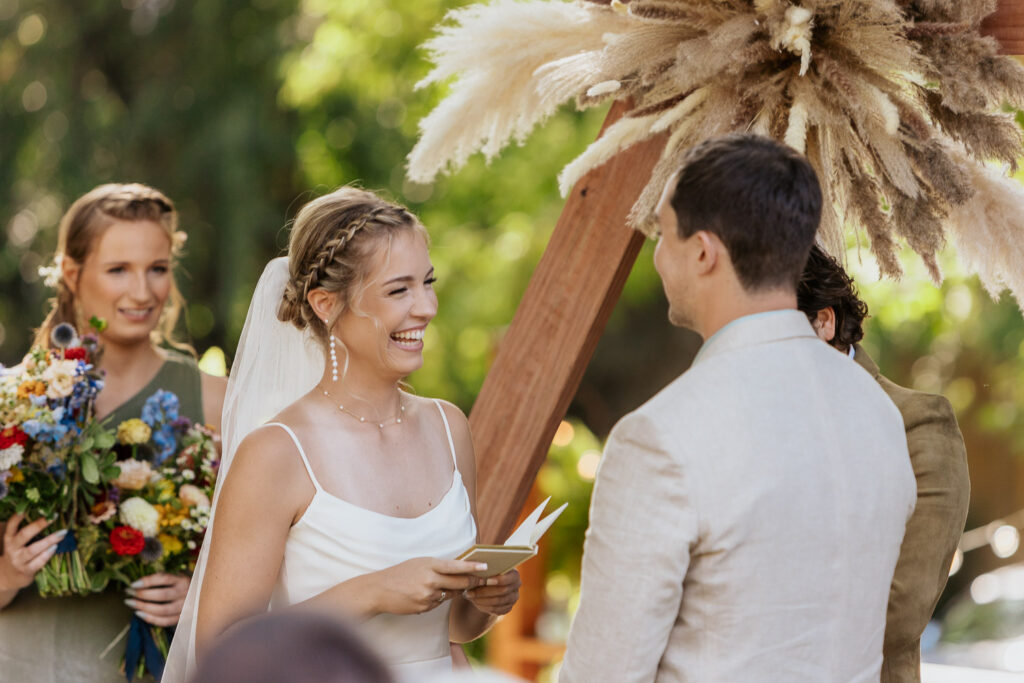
[496,100]
[895,102]
[986,230]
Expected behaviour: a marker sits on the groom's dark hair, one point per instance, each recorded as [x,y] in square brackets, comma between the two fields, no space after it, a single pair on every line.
[760,197]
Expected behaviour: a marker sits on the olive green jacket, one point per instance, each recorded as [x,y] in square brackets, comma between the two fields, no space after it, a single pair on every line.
[939,459]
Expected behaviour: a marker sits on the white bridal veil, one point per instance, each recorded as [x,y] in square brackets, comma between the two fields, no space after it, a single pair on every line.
[274,366]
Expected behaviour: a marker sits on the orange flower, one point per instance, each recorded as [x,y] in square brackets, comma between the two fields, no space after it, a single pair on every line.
[31,387]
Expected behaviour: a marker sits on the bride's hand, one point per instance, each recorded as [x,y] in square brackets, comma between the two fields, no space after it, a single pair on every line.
[423,583]
[498,595]
[158,598]
[21,559]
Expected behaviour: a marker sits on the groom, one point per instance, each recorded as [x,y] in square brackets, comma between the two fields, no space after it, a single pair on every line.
[746,520]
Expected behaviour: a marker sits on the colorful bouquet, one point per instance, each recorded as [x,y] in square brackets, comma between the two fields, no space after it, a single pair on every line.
[154,513]
[54,455]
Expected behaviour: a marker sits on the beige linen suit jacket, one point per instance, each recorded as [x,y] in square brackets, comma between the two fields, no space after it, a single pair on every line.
[746,520]
[939,459]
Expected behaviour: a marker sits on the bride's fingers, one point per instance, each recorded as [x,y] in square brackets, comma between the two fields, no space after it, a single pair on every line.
[491,594]
[458,567]
[458,583]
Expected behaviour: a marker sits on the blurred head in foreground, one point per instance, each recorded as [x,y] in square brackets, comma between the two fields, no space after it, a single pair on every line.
[293,646]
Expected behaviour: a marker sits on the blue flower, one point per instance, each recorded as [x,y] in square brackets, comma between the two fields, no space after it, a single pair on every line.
[33,428]
[165,441]
[57,470]
[4,489]
[161,407]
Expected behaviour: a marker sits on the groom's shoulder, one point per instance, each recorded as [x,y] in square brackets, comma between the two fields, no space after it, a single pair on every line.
[685,394]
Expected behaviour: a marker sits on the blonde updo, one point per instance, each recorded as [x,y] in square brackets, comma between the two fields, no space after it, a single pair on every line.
[333,241]
[79,232]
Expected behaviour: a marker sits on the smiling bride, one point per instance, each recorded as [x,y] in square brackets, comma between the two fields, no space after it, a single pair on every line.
[355,496]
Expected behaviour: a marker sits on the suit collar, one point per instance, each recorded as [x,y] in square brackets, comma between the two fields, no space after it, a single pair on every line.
[759,328]
[864,360]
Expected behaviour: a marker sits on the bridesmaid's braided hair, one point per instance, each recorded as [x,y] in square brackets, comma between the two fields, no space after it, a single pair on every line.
[332,242]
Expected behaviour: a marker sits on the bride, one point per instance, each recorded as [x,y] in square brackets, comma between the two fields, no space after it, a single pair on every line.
[355,495]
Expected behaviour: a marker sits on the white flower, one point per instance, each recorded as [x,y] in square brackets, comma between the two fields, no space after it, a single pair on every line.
[134,474]
[137,513]
[193,496]
[191,545]
[11,456]
[188,475]
[60,378]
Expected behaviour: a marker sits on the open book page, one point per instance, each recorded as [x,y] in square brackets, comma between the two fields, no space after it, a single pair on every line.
[520,546]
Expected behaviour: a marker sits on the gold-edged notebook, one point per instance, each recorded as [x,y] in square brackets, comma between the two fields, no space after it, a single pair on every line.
[520,546]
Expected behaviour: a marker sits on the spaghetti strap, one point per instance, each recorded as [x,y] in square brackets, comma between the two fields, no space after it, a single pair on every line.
[448,431]
[302,453]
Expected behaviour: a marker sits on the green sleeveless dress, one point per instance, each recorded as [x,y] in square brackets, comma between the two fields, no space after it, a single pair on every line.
[59,640]
[179,375]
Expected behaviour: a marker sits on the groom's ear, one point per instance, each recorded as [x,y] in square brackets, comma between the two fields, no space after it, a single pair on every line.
[323,303]
[708,250]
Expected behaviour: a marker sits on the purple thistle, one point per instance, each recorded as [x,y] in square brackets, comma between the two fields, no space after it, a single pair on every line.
[152,551]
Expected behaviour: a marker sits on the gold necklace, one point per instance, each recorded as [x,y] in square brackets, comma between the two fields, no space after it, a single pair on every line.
[396,418]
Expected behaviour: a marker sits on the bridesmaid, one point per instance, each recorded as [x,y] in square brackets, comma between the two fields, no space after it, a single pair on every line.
[117,247]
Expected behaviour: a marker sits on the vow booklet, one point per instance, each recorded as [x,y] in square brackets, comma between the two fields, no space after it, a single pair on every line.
[520,546]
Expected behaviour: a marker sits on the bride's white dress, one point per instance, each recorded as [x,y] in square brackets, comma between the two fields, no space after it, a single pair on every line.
[335,540]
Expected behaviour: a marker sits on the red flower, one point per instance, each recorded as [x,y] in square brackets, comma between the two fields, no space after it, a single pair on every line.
[127,541]
[76,353]
[12,435]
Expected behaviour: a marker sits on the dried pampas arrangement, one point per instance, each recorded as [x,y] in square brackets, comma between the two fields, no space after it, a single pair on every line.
[896,103]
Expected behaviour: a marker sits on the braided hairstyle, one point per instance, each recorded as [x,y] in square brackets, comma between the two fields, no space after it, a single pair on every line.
[333,241]
[80,230]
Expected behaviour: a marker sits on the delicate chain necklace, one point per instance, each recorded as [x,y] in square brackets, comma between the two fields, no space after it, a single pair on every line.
[396,418]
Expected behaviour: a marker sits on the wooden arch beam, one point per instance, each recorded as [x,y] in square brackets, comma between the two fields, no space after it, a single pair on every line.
[564,310]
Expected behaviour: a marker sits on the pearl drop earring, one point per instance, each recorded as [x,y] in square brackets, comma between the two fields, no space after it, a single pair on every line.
[334,358]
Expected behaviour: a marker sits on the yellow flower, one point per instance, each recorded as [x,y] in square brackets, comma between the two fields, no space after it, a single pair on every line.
[16,476]
[165,490]
[169,516]
[133,431]
[170,543]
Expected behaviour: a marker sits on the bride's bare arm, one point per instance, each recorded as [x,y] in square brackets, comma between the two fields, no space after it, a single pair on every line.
[476,610]
[264,491]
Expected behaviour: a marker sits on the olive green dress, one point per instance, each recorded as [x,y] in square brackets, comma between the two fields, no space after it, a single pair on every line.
[59,640]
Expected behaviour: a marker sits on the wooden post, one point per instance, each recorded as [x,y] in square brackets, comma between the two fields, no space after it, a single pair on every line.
[1007,25]
[563,312]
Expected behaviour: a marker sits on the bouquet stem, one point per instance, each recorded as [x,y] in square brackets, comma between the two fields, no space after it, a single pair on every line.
[63,575]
